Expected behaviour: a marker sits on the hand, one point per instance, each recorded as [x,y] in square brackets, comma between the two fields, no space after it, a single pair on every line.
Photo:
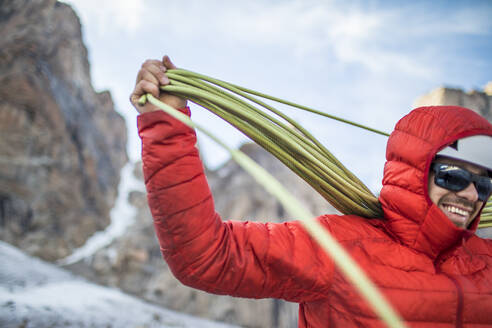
[152,74]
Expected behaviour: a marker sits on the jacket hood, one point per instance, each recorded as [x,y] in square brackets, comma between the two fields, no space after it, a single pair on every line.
[411,215]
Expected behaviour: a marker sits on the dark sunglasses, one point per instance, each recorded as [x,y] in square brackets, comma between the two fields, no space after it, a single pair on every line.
[455,178]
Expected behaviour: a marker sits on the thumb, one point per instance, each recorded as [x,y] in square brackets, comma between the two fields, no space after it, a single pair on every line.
[168,63]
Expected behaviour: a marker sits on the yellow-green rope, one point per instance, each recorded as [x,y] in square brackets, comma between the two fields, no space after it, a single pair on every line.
[285,139]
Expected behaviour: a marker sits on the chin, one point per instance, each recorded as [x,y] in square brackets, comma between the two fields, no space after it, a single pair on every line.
[458,220]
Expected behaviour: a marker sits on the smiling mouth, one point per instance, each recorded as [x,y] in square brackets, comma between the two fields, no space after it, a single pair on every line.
[457,210]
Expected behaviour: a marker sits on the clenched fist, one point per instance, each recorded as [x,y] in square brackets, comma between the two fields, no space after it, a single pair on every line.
[151,75]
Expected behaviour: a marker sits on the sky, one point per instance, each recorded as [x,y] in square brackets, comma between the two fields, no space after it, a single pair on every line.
[366,61]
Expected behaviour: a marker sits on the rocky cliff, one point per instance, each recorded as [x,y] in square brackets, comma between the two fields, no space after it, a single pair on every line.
[62,144]
[478,100]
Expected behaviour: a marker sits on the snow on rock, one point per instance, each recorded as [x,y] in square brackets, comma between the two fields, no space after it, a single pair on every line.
[122,216]
[34,293]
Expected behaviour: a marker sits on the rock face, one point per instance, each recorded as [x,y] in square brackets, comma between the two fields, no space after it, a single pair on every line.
[62,145]
[134,262]
[478,100]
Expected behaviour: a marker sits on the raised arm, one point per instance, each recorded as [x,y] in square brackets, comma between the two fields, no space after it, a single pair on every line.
[247,259]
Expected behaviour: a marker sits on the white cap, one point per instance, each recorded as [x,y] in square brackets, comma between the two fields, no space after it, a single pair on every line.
[475,150]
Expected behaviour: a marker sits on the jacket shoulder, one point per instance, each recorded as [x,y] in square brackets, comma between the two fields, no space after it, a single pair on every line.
[478,245]
[352,227]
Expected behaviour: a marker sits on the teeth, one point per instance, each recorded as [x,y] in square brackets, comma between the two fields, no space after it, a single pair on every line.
[456,210]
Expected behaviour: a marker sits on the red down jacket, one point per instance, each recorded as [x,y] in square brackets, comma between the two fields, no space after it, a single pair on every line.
[433,273]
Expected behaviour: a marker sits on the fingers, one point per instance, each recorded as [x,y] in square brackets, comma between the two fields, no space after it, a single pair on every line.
[154,72]
[144,87]
[151,75]
[168,63]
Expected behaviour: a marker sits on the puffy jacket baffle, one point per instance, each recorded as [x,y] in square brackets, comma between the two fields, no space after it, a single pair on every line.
[433,273]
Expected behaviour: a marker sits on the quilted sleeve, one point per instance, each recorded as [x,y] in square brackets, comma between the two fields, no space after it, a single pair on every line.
[246,259]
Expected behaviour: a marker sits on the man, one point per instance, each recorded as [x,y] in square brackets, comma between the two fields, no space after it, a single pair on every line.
[423,254]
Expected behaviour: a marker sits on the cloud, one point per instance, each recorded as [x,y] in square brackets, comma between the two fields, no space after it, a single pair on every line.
[376,38]
[126,15]
[303,27]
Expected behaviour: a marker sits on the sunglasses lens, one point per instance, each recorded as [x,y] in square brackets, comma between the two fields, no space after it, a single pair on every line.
[452,178]
[484,188]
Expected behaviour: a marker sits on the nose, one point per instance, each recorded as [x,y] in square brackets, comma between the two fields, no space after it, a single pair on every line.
[469,193]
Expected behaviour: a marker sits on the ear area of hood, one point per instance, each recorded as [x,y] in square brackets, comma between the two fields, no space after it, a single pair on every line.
[409,149]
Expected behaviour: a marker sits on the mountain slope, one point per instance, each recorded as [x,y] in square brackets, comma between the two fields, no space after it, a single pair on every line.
[34,293]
